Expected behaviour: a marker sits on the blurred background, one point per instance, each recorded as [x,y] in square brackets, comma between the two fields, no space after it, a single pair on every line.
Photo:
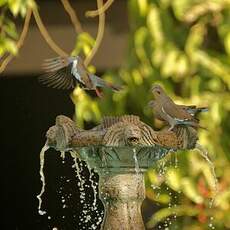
[182,44]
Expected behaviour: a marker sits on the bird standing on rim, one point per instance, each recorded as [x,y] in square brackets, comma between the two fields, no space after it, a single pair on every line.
[67,72]
[165,109]
[191,109]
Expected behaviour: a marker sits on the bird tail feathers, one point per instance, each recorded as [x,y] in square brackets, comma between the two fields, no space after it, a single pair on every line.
[99,82]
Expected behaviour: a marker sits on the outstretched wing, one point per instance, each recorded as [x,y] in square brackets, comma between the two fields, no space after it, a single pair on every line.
[58,73]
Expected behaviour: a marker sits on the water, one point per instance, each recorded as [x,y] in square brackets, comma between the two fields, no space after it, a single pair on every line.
[137,168]
[162,168]
[88,209]
[42,177]
[90,217]
[79,176]
[94,187]
[204,153]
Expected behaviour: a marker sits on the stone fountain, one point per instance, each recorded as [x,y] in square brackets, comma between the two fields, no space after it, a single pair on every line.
[120,149]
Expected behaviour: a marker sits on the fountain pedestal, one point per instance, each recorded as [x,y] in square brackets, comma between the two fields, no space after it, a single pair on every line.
[122,195]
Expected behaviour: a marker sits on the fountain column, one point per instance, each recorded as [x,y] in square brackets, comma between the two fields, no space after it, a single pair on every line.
[122,194]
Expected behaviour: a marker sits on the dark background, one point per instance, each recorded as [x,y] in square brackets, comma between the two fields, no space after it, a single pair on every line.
[27,110]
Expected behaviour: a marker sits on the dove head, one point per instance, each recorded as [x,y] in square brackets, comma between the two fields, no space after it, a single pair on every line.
[157,91]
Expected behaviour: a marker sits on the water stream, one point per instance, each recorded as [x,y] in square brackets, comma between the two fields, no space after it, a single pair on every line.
[88,210]
[42,177]
[86,216]
[137,168]
[204,153]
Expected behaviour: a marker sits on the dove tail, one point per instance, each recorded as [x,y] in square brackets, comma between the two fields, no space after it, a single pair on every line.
[99,82]
[194,124]
[202,109]
[114,87]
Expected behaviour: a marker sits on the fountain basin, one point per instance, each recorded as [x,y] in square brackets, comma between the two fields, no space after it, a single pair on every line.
[120,149]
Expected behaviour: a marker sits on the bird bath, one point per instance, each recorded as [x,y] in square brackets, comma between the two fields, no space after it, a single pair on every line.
[120,150]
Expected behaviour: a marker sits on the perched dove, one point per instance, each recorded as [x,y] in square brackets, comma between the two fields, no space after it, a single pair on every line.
[67,72]
[191,109]
[165,109]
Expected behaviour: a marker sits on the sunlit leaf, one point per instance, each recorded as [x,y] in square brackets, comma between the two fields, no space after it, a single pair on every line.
[143,6]
[189,189]
[163,213]
[180,7]
[155,26]
[3,2]
[10,29]
[223,200]
[173,178]
[227,43]
[14,6]
[169,64]
[10,46]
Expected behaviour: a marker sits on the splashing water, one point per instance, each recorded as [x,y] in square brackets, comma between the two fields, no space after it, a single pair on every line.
[85,217]
[204,153]
[81,180]
[42,177]
[137,168]
[94,187]
[63,156]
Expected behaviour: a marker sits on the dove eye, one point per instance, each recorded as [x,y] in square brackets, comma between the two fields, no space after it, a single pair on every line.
[158,92]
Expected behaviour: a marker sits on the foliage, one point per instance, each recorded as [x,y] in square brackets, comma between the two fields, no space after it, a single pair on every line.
[8,32]
[185,46]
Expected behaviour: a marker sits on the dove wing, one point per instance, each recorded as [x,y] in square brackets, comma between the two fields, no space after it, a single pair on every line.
[57,73]
[175,111]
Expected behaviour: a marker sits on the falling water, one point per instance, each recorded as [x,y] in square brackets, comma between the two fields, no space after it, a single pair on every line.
[94,187]
[42,176]
[87,208]
[204,153]
[81,181]
[63,156]
[137,168]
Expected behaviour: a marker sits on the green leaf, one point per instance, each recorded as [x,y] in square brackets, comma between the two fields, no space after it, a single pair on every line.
[163,213]
[143,7]
[195,38]
[188,188]
[14,6]
[10,29]
[227,43]
[155,26]
[84,43]
[180,7]
[169,65]
[3,2]
[173,179]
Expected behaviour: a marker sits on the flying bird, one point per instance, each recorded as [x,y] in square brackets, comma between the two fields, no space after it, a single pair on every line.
[67,72]
[165,109]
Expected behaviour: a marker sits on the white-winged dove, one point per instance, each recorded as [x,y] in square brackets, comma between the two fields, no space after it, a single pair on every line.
[165,109]
[67,72]
[191,109]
